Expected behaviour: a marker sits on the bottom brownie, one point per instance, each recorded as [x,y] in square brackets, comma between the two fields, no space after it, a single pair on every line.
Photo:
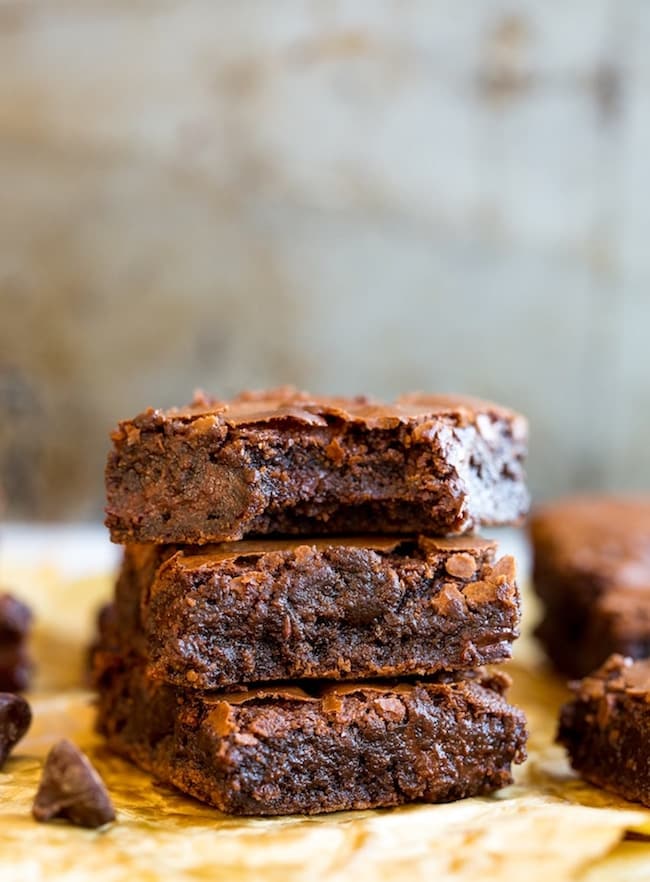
[606,728]
[283,750]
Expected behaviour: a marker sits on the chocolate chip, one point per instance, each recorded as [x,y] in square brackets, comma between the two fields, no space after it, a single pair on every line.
[15,665]
[15,720]
[15,617]
[70,788]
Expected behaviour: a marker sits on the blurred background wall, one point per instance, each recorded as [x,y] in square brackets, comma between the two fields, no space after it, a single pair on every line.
[368,195]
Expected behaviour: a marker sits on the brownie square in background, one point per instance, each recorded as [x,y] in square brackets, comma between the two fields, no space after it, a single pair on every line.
[592,571]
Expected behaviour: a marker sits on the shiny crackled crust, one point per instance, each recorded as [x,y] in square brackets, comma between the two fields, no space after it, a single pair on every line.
[263,610]
[592,570]
[606,727]
[286,463]
[283,750]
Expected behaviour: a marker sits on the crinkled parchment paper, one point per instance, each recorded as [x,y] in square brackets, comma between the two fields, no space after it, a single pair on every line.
[549,826]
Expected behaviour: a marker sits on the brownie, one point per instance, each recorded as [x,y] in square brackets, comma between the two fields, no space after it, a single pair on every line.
[284,750]
[262,610]
[286,463]
[592,571]
[15,662]
[105,623]
[606,727]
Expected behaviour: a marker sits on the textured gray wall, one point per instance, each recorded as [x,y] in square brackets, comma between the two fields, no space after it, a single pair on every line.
[370,196]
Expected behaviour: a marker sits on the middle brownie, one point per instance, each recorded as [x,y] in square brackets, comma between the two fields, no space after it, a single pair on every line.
[264,610]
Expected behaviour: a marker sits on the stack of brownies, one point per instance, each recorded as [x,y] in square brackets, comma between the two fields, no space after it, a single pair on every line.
[299,625]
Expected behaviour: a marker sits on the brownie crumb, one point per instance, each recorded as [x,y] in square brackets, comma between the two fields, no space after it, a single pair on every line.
[71,788]
[15,720]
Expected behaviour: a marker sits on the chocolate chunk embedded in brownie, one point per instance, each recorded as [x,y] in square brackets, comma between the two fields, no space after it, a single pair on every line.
[284,462]
[261,610]
[592,570]
[606,728]
[283,750]
[15,662]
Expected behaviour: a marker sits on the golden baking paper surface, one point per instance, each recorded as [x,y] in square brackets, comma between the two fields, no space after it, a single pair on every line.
[549,826]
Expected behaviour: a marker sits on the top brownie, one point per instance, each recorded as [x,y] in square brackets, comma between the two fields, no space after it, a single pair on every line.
[284,462]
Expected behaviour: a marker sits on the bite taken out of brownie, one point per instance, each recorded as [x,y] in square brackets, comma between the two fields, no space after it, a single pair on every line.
[606,728]
[319,748]
[265,610]
[288,463]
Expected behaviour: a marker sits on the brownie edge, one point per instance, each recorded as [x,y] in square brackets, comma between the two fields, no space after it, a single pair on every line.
[283,750]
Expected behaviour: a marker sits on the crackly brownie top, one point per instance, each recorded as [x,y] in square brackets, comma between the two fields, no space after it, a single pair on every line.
[619,675]
[463,549]
[287,405]
[607,536]
[330,693]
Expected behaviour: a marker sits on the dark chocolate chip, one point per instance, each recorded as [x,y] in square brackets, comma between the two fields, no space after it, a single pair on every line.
[70,788]
[15,720]
[15,617]
[15,665]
